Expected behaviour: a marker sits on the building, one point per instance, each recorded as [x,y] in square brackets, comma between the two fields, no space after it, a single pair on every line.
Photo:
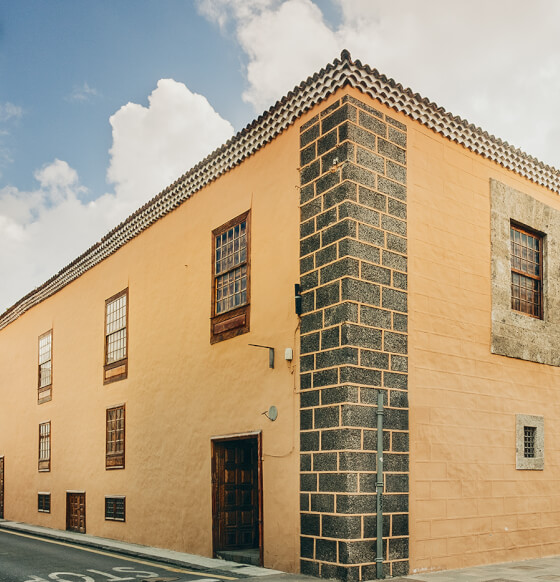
[172,386]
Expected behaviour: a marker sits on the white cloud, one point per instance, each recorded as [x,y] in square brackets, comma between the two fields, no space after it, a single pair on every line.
[223,12]
[59,181]
[43,230]
[153,146]
[82,93]
[285,42]
[10,111]
[478,59]
[300,40]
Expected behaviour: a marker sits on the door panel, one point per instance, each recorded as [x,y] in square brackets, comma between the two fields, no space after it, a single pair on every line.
[76,512]
[236,506]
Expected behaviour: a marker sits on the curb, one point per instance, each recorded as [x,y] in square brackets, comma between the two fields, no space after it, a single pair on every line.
[230,570]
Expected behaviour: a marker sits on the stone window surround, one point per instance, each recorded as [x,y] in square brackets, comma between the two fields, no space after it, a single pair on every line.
[515,334]
[535,463]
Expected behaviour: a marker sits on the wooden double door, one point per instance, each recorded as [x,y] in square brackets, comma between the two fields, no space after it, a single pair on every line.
[236,494]
[76,512]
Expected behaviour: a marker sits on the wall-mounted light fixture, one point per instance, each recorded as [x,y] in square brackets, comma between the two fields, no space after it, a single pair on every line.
[298,298]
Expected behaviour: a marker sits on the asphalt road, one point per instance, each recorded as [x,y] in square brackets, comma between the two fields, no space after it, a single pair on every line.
[27,558]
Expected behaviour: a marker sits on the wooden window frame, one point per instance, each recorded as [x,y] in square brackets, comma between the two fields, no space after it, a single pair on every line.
[235,321]
[114,371]
[538,279]
[45,447]
[44,393]
[114,499]
[115,459]
[41,507]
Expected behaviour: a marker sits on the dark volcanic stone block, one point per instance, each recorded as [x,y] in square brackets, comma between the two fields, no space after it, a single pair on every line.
[338,482]
[341,439]
[342,526]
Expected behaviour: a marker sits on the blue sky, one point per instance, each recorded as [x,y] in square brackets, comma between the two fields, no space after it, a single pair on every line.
[71,64]
[103,103]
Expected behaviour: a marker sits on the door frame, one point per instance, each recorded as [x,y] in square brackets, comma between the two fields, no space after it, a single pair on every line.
[214,441]
[2,488]
[68,493]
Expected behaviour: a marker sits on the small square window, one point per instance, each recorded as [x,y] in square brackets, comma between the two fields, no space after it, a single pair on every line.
[529,434]
[44,502]
[115,508]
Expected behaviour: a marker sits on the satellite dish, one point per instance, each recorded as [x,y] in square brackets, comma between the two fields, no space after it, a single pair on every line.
[272,413]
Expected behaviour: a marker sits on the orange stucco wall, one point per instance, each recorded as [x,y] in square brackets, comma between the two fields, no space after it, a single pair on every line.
[180,390]
[469,504]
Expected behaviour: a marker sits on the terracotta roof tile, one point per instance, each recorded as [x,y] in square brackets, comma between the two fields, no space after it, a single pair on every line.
[340,73]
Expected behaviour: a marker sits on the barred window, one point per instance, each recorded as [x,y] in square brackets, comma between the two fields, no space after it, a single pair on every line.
[529,436]
[231,268]
[115,433]
[44,502]
[116,337]
[45,446]
[115,508]
[526,271]
[45,367]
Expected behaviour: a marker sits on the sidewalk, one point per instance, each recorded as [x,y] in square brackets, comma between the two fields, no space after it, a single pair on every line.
[538,570]
[170,557]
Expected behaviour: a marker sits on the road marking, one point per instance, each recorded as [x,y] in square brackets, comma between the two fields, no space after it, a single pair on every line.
[126,558]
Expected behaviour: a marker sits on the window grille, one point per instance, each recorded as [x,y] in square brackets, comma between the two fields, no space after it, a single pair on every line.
[116,330]
[529,437]
[116,337]
[44,381]
[231,279]
[44,502]
[115,434]
[115,508]
[45,367]
[45,446]
[231,268]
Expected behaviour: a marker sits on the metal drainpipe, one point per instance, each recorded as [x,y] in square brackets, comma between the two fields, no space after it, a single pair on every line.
[379,487]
